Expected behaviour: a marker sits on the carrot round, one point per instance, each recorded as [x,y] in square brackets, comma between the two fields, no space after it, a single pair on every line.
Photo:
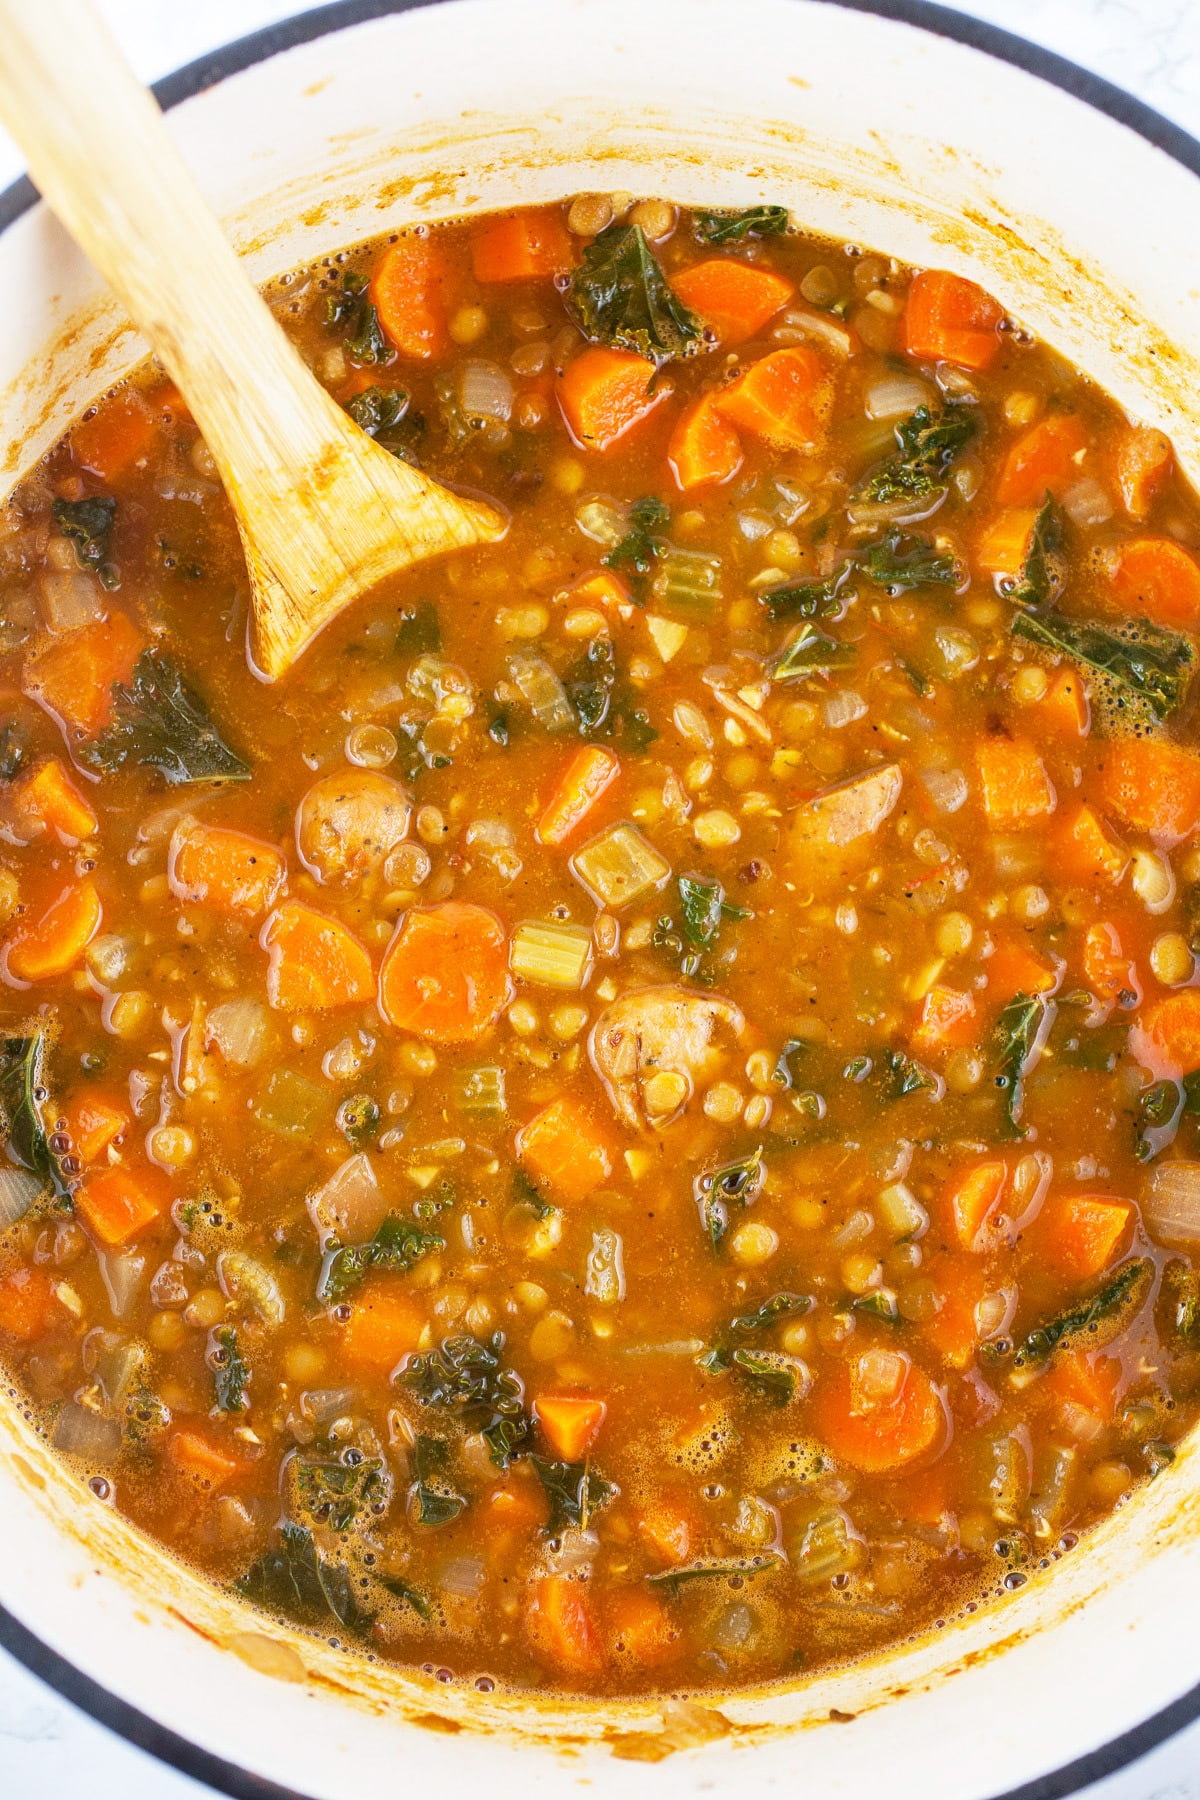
[588,776]
[559,1626]
[39,949]
[1153,785]
[1166,1038]
[562,1146]
[445,975]
[878,1411]
[1109,972]
[407,291]
[529,246]
[641,1630]
[947,1019]
[949,319]
[1042,458]
[315,962]
[208,865]
[703,449]
[73,676]
[735,298]
[783,398]
[603,392]
[569,1422]
[1157,578]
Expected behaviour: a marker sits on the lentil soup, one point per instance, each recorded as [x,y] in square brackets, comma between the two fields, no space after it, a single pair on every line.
[631,1125]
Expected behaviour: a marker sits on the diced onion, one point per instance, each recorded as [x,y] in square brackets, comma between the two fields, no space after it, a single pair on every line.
[484,391]
[843,707]
[69,601]
[350,1203]
[902,1212]
[601,520]
[794,326]
[606,1268]
[240,1274]
[122,1277]
[895,397]
[1171,1209]
[78,1432]
[322,1404]
[461,1575]
[1086,503]
[995,1312]
[879,1375]
[239,1029]
[18,1191]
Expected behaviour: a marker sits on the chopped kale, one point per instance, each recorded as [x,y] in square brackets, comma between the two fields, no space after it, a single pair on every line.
[23,1093]
[1041,579]
[398,1244]
[348,309]
[720,1355]
[1180,1296]
[605,704]
[731,227]
[899,561]
[703,905]
[927,445]
[575,1492]
[14,748]
[403,1590]
[1141,666]
[466,1377]
[333,1494]
[619,295]
[292,1578]
[769,1373]
[905,1075]
[811,652]
[231,1372]
[420,630]
[880,1303]
[640,549]
[88,524]
[1157,1112]
[435,1500]
[736,1570]
[733,1184]
[782,1072]
[358,1120]
[810,598]
[1082,1320]
[161,722]
[385,415]
[1014,1043]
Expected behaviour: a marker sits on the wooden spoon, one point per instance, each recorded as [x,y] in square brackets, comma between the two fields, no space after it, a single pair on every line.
[323,511]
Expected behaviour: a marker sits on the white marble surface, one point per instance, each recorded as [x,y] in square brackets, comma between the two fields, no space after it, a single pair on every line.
[1152,48]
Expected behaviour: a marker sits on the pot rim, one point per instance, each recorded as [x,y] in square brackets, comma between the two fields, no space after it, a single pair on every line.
[193,78]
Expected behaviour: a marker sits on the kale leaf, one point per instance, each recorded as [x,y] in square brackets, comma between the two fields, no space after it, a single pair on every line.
[384,414]
[22,1093]
[160,721]
[1015,1040]
[619,295]
[605,704]
[738,1569]
[575,1493]
[1141,665]
[724,226]
[435,1500]
[419,631]
[734,1183]
[810,598]
[231,1372]
[466,1377]
[88,524]
[14,749]
[1042,573]
[811,652]
[333,1494]
[292,1578]
[703,905]
[1083,1319]
[904,1075]
[720,1356]
[639,549]
[349,309]
[770,1373]
[398,1244]
[927,445]
[898,562]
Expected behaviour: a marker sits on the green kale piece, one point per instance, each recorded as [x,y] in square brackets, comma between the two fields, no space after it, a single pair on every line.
[723,226]
[1140,667]
[23,1093]
[1080,1321]
[736,1569]
[467,1377]
[333,1494]
[575,1492]
[640,549]
[733,1184]
[398,1244]
[927,445]
[899,561]
[293,1579]
[88,524]
[385,415]
[1014,1043]
[1042,573]
[811,652]
[810,598]
[161,722]
[349,310]
[619,295]
[231,1371]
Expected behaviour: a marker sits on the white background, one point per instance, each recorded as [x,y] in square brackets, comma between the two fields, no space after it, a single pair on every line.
[1152,47]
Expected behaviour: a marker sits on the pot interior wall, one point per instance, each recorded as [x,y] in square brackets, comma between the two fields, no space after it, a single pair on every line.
[371,128]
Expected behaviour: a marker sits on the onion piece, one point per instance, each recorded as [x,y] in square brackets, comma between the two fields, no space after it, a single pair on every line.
[78,1432]
[239,1030]
[542,691]
[895,397]
[18,1191]
[1086,503]
[350,1205]
[1171,1209]
[240,1275]
[462,1575]
[484,391]
[843,708]
[322,1404]
[69,601]
[122,1277]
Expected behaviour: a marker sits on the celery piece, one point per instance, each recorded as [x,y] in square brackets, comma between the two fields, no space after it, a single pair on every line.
[480,1090]
[542,691]
[619,866]
[687,587]
[291,1105]
[551,954]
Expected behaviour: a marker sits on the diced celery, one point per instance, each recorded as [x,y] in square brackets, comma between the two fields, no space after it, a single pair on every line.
[551,954]
[542,691]
[619,866]
[292,1106]
[687,586]
[827,1547]
[480,1090]
[606,1268]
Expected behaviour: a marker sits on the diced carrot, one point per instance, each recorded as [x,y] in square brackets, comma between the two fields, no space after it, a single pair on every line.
[73,676]
[641,1629]
[1078,1234]
[384,1326]
[947,1020]
[973,1196]
[445,975]
[570,1422]
[953,1331]
[197,1454]
[603,589]
[783,398]
[39,949]
[668,1529]
[734,298]
[1084,1378]
[1087,852]
[515,1507]
[876,1430]
[703,448]
[949,319]
[208,865]
[315,962]
[117,439]
[1066,707]
[559,1625]
[29,1306]
[1003,544]
[529,246]
[1166,1037]
[1013,783]
[1143,462]
[925,1495]
[48,795]
[603,392]
[1152,785]
[587,777]
[563,1146]
[94,1121]
[1158,579]
[1012,968]
[120,1203]
[1044,457]
[407,291]
[1108,971]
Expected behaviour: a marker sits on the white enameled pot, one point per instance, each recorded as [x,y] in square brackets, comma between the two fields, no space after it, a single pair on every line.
[920,134]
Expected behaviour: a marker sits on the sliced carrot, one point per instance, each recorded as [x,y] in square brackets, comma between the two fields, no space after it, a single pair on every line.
[876,1431]
[29,1306]
[734,298]
[120,437]
[315,962]
[562,1145]
[640,1629]
[953,1330]
[603,589]
[1012,968]
[587,777]
[208,865]
[703,449]
[1003,544]
[570,1422]
[515,1507]
[1084,1378]
[1158,579]
[49,796]
[1044,457]
[94,1121]
[407,291]
[973,1196]
[1109,972]
[445,975]
[1143,462]
[559,1625]
[1078,1234]
[947,1020]
[197,1454]
[384,1326]
[1087,852]
[783,398]
[1166,1038]
[668,1529]
[1013,783]
[73,676]
[949,319]
[529,246]
[1066,707]
[603,392]
[1153,785]
[39,949]
[120,1203]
